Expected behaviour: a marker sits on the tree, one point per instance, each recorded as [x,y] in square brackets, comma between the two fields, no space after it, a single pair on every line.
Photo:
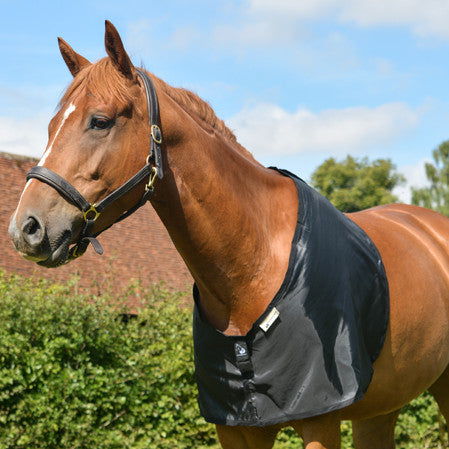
[356,184]
[435,196]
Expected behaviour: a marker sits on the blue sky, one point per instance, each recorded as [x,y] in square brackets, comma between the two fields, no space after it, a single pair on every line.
[297,81]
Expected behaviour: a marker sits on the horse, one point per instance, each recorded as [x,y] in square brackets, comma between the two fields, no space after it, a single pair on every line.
[232,220]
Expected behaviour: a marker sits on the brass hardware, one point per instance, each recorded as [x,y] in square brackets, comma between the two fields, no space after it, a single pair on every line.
[154,129]
[90,211]
[152,180]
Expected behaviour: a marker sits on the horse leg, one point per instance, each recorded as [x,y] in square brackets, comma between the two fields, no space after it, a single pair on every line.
[247,437]
[440,391]
[320,432]
[375,433]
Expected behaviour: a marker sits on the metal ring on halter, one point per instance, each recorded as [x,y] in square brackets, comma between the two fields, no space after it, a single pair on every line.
[93,210]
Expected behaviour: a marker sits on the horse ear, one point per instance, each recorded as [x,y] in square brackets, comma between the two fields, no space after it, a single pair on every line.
[116,51]
[74,61]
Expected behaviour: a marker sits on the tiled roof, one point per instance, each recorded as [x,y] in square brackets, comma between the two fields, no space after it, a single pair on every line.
[130,250]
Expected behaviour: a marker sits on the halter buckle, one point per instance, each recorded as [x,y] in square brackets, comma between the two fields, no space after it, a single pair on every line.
[156,134]
[91,211]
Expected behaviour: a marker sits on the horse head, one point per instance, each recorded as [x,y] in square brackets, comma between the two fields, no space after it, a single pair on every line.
[98,139]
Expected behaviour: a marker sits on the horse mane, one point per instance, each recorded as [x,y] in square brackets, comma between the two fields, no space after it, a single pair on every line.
[103,78]
[193,103]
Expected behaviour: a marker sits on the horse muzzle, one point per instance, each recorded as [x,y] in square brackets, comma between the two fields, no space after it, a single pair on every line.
[34,240]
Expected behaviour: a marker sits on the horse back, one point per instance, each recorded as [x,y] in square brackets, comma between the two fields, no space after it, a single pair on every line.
[408,236]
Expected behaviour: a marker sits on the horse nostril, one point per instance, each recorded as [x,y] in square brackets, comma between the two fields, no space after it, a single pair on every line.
[32,231]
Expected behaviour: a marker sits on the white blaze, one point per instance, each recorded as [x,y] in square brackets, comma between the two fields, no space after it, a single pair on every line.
[67,112]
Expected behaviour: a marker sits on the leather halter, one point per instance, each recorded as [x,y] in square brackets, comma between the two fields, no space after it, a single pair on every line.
[92,211]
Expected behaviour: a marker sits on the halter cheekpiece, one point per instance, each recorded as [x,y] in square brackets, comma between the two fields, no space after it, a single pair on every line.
[151,170]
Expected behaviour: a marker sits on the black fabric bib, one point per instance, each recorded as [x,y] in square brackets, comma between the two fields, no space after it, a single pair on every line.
[312,350]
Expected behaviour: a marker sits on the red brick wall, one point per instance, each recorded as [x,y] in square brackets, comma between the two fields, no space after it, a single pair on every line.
[128,251]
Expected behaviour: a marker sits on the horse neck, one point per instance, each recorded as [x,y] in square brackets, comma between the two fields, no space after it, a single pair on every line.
[231,220]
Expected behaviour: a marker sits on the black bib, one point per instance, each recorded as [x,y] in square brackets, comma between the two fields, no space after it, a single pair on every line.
[312,350]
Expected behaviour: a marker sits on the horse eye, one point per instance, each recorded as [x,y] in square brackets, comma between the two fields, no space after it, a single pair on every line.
[100,123]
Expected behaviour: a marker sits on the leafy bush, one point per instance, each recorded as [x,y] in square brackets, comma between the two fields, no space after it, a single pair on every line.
[420,425]
[74,374]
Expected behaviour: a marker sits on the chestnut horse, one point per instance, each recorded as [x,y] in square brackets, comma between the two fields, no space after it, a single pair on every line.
[232,221]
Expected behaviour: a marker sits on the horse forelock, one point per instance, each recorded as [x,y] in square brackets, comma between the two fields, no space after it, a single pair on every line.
[102,80]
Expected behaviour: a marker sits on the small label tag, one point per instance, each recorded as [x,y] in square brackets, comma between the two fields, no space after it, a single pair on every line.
[269,320]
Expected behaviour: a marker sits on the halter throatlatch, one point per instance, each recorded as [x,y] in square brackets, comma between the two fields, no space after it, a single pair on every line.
[92,211]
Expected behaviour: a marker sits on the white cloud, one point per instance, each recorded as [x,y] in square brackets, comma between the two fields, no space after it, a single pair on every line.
[423,17]
[267,129]
[415,177]
[26,135]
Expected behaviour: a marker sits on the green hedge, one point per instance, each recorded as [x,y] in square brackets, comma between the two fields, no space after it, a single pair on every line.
[73,374]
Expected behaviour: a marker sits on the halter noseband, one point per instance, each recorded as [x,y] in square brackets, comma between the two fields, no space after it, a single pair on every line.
[92,211]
